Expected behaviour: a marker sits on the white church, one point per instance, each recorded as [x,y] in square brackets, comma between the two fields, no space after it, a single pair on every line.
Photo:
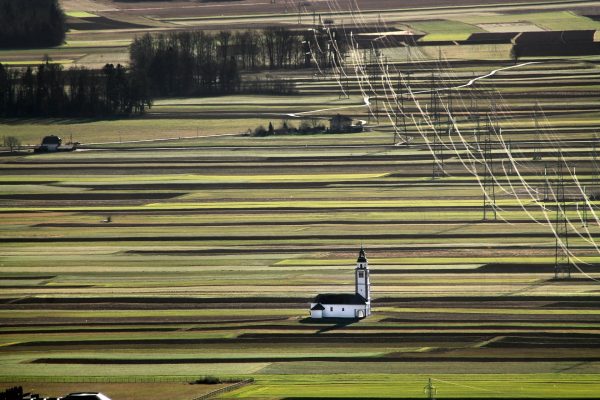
[346,305]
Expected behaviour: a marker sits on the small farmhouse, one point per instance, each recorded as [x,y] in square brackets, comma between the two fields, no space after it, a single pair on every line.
[340,123]
[51,143]
[343,124]
[350,305]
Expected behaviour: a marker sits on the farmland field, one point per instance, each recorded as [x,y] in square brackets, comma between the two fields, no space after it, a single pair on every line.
[100,31]
[177,245]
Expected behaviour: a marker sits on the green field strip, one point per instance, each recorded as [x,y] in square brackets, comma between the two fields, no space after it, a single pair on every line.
[123,130]
[49,313]
[429,261]
[241,218]
[444,29]
[330,204]
[501,311]
[186,178]
[554,20]
[411,386]
[126,372]
[383,326]
[390,13]
[86,44]
[36,62]
[80,14]
[409,230]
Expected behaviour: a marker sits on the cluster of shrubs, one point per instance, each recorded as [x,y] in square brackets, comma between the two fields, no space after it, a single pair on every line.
[305,128]
[214,380]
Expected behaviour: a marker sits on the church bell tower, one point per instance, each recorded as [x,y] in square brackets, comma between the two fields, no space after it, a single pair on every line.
[363,283]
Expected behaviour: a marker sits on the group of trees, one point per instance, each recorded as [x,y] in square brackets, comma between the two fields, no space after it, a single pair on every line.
[198,62]
[50,91]
[14,393]
[183,64]
[193,63]
[31,23]
[306,127]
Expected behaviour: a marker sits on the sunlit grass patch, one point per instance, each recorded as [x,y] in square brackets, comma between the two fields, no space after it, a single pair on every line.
[37,62]
[361,385]
[80,14]
[444,29]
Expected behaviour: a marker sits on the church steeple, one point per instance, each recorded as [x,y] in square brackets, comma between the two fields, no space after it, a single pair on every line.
[362,258]
[361,275]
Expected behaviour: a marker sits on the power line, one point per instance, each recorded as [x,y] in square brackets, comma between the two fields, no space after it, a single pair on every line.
[489,181]
[438,145]
[562,264]
[537,154]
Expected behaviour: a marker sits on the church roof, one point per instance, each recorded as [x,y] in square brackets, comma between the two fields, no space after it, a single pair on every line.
[52,139]
[362,257]
[340,298]
[318,306]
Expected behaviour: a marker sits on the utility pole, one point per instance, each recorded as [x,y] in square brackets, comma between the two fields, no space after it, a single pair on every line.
[562,262]
[430,390]
[343,80]
[546,189]
[510,163]
[595,166]
[584,212]
[399,108]
[438,146]
[475,117]
[489,185]
[449,116]
[373,74]
[404,126]
[537,155]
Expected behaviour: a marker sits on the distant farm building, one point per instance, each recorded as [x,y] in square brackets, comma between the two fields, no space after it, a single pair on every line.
[50,143]
[347,305]
[342,123]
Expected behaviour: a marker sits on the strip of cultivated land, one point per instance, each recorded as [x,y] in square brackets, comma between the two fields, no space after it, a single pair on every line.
[567,91]
[216,245]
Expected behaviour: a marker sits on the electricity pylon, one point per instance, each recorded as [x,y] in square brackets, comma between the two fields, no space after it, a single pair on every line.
[489,183]
[537,154]
[430,390]
[562,262]
[438,145]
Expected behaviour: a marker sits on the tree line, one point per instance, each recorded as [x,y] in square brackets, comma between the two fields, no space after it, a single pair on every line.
[183,64]
[50,91]
[31,23]
[200,63]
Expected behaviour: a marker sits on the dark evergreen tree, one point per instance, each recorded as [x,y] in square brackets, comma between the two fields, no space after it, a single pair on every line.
[78,92]
[31,23]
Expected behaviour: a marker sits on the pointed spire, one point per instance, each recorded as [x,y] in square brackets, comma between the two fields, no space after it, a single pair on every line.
[361,255]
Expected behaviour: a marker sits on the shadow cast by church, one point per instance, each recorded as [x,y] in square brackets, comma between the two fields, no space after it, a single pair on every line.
[330,324]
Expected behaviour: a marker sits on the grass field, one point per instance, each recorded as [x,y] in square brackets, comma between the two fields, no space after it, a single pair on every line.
[213,253]
[217,241]
[553,21]
[444,30]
